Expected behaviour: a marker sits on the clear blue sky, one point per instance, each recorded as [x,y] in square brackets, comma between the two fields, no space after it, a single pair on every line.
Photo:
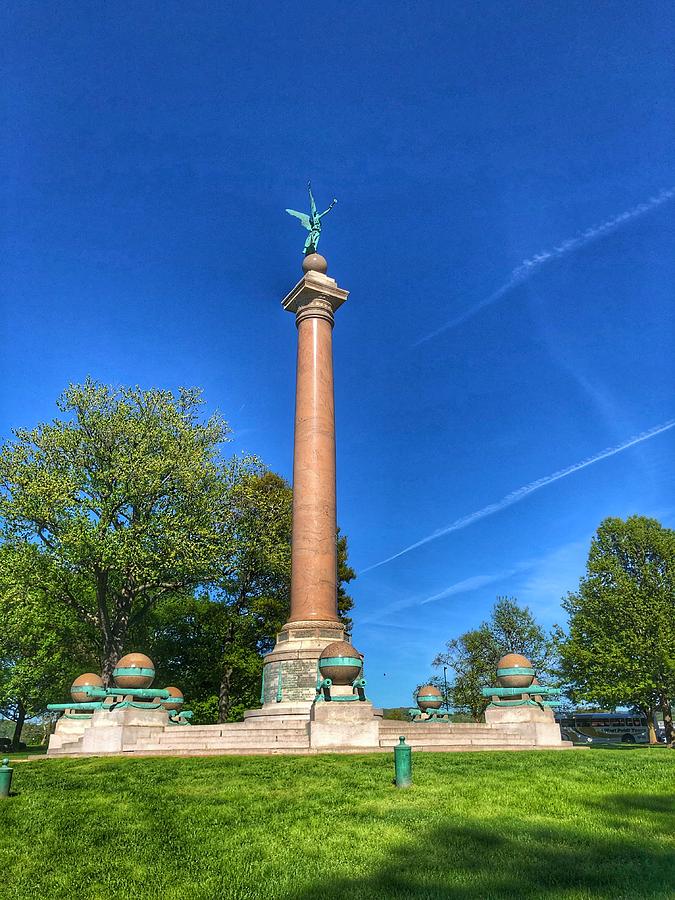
[148,153]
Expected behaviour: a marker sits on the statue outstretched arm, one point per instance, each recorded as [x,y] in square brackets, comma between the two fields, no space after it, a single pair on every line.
[333,202]
[312,204]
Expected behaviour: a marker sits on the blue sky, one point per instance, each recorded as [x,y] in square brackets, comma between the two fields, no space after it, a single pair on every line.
[505,227]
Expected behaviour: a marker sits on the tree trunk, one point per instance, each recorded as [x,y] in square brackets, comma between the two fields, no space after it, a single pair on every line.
[112,651]
[667,711]
[651,727]
[224,695]
[16,738]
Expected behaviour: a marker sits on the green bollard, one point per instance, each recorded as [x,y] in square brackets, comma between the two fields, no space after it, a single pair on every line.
[5,778]
[403,763]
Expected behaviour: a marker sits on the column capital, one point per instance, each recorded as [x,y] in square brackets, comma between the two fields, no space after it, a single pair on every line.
[315,296]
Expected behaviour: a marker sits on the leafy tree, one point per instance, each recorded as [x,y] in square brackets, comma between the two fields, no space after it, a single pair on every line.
[472,657]
[621,644]
[212,644]
[120,504]
[41,648]
[123,516]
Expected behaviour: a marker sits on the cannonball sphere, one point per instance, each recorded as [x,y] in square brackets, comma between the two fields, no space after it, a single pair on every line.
[178,694]
[514,670]
[315,262]
[340,662]
[135,670]
[89,679]
[429,697]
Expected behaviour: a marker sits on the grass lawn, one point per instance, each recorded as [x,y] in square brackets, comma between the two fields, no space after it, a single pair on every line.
[474,825]
[24,754]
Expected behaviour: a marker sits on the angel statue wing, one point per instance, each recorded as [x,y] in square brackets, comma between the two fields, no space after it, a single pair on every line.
[304,218]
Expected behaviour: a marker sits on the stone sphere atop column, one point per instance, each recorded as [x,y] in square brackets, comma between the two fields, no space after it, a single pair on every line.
[341,662]
[315,262]
[135,670]
[429,697]
[176,700]
[515,670]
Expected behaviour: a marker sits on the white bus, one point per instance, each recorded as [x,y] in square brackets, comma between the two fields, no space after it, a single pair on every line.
[603,728]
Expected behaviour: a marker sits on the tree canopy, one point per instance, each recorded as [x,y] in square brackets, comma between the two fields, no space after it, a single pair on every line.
[41,647]
[118,504]
[473,656]
[620,649]
[122,527]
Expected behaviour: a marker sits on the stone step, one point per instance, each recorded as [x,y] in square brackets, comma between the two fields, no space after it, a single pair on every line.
[480,748]
[438,726]
[424,733]
[156,750]
[448,741]
[290,711]
[198,746]
[247,726]
[251,739]
[236,740]
[389,725]
[187,734]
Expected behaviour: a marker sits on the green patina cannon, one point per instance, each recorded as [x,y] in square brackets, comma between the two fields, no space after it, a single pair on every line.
[340,667]
[518,685]
[429,702]
[133,676]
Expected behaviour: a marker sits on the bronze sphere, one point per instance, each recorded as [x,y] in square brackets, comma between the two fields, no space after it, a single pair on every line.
[135,670]
[314,262]
[429,697]
[515,670]
[178,694]
[340,662]
[89,679]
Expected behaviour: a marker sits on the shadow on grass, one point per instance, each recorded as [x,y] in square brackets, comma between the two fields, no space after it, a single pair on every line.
[640,803]
[631,858]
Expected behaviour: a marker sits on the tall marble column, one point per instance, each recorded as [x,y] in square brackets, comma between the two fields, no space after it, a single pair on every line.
[290,670]
[314,557]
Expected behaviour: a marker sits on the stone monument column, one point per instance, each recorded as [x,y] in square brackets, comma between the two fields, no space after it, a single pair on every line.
[314,552]
[291,669]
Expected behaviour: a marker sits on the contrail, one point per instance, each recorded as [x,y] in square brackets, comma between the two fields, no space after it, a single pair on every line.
[460,587]
[529,266]
[522,492]
[473,583]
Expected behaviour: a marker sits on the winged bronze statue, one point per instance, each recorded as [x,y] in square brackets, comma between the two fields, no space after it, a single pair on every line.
[311,222]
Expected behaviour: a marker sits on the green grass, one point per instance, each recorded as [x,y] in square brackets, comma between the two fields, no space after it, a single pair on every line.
[37,750]
[474,825]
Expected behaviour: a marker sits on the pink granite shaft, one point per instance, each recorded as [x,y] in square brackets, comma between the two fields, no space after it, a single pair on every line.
[314,551]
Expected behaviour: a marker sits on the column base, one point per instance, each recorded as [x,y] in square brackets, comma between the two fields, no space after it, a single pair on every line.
[337,726]
[110,731]
[534,722]
[290,670]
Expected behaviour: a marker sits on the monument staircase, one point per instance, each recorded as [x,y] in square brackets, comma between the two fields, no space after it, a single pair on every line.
[291,735]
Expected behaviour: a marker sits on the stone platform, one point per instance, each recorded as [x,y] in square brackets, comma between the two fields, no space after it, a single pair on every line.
[324,728]
[290,670]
